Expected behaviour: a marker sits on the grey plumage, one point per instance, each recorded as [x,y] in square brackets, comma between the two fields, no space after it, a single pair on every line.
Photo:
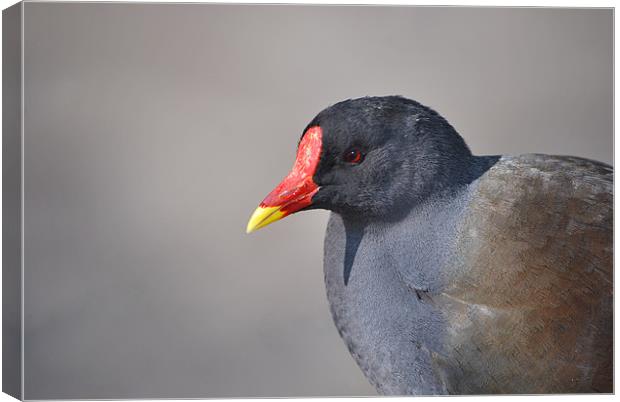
[466,294]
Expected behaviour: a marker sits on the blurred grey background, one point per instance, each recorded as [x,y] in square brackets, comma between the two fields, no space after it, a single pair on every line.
[152,131]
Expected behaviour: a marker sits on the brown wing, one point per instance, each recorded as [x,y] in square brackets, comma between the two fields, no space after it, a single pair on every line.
[531,306]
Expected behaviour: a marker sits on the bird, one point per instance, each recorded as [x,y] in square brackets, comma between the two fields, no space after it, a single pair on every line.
[451,273]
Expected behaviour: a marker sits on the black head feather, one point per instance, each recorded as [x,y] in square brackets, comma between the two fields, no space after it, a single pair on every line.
[409,152]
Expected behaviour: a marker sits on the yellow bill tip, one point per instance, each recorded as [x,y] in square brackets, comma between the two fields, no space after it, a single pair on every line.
[263,216]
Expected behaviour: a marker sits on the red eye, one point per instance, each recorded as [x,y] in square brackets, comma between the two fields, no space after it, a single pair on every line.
[353,156]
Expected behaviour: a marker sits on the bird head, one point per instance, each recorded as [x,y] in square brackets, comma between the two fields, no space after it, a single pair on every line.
[370,158]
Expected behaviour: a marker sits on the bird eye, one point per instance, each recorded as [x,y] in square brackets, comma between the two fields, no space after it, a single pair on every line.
[353,156]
